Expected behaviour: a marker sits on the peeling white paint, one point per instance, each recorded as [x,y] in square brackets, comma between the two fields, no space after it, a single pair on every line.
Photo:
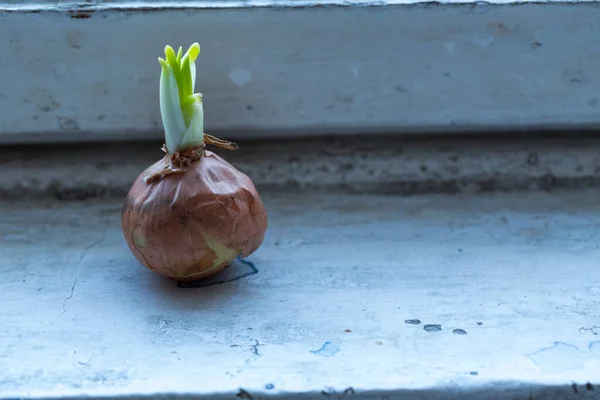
[240,76]
[104,5]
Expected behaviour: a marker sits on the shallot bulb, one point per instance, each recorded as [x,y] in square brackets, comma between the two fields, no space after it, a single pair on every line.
[191,213]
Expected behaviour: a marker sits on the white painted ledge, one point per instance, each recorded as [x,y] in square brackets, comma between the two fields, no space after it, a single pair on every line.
[84,71]
[511,279]
[104,5]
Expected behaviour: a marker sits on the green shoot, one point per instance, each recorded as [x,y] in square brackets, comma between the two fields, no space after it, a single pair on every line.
[180,108]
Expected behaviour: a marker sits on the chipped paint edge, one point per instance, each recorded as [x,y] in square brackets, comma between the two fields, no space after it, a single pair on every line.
[207,4]
[501,390]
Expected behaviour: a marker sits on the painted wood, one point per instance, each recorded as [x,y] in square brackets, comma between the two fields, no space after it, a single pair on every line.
[90,73]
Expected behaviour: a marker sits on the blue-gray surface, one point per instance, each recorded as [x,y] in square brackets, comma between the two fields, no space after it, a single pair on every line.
[294,71]
[429,297]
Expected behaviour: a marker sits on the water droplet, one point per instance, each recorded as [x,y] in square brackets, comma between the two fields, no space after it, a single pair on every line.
[413,321]
[459,332]
[269,386]
[432,328]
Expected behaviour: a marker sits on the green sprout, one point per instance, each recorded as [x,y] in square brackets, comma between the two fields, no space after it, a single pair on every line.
[180,108]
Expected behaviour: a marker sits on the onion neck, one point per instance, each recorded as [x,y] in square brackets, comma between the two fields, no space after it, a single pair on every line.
[181,109]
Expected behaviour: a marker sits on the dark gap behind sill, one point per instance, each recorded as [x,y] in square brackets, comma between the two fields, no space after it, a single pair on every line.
[391,165]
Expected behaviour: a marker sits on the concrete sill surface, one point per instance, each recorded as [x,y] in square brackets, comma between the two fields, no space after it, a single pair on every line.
[470,296]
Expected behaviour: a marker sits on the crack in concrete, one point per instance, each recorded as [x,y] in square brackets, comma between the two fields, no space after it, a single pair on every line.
[81,257]
[255,348]
[87,363]
[595,330]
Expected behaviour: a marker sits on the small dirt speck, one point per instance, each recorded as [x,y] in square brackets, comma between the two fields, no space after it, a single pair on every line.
[79,15]
[269,386]
[533,158]
[479,323]
[459,331]
[348,330]
[345,167]
[413,321]
[453,169]
[589,386]
[242,394]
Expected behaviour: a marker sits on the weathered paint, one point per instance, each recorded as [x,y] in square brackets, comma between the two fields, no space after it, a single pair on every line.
[159,5]
[324,315]
[393,165]
[90,72]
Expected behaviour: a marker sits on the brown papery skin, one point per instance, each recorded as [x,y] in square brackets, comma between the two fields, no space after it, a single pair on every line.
[171,223]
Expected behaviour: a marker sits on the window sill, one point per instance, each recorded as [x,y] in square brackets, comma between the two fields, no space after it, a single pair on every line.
[338,276]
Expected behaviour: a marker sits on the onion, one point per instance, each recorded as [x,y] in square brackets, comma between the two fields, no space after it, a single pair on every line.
[191,213]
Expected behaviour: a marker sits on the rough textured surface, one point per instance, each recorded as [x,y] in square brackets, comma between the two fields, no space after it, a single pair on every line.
[85,74]
[390,165]
[429,297]
[148,5]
